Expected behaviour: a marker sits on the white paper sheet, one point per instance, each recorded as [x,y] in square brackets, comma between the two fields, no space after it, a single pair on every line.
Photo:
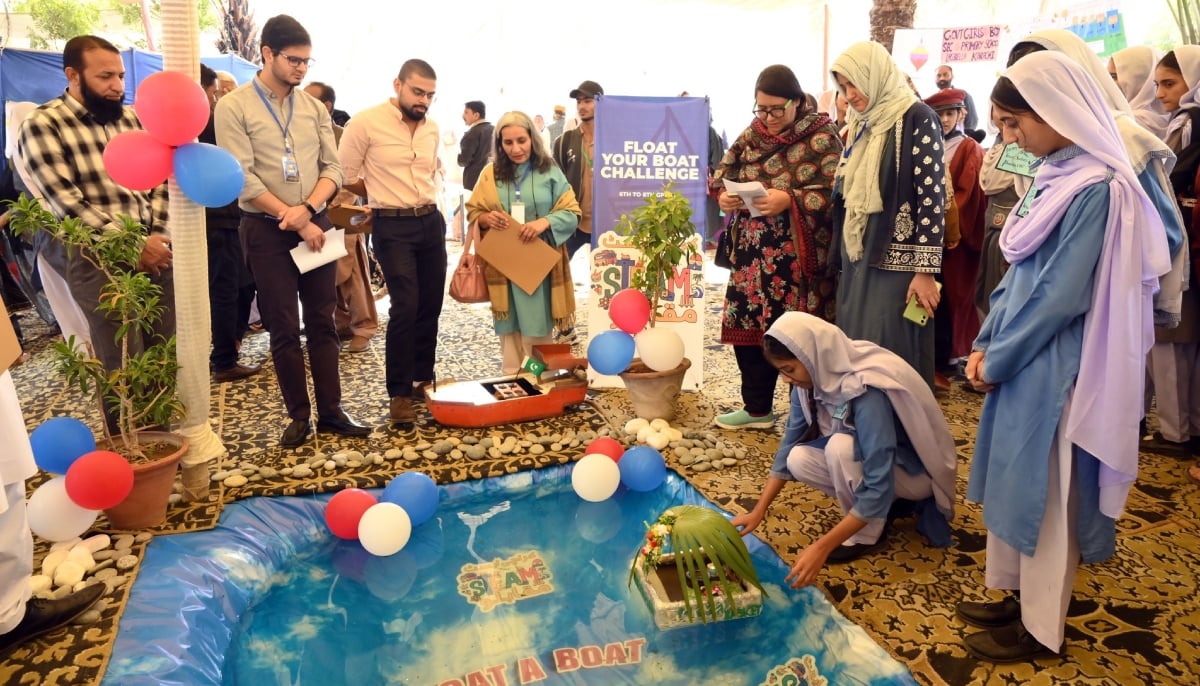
[747,191]
[335,248]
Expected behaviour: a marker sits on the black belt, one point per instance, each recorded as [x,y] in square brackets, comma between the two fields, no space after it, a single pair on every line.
[264,215]
[405,211]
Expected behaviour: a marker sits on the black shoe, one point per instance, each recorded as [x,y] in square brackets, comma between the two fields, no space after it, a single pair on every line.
[901,508]
[990,615]
[342,424]
[235,372]
[848,553]
[1009,643]
[43,615]
[295,435]
[1155,443]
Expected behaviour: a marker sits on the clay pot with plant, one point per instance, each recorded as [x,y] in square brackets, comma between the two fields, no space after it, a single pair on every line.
[661,229]
[140,392]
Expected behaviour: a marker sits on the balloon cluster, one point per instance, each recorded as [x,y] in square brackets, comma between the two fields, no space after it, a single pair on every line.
[173,110]
[91,480]
[611,352]
[383,526]
[607,464]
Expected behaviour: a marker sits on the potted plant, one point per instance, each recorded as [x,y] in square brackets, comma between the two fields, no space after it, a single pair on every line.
[661,229]
[695,565]
[142,388]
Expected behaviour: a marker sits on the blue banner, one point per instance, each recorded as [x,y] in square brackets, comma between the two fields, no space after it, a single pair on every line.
[642,144]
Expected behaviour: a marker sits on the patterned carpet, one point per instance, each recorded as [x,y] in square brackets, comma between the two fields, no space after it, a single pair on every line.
[1134,619]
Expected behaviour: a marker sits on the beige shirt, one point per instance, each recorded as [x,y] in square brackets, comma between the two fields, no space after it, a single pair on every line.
[398,166]
[245,127]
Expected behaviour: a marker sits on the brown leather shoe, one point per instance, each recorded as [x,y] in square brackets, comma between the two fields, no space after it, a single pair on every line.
[402,410]
[237,371]
[358,344]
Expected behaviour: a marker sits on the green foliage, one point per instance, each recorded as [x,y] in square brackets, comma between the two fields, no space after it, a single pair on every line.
[59,20]
[699,536]
[661,228]
[142,389]
[131,13]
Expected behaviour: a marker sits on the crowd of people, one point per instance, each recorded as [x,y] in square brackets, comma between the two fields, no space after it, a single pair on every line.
[1054,265]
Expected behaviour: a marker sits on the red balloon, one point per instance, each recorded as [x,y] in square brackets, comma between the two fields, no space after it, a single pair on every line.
[629,310]
[137,160]
[344,510]
[99,480]
[606,446]
[172,107]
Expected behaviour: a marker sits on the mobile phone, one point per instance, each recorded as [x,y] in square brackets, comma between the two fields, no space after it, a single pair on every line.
[915,313]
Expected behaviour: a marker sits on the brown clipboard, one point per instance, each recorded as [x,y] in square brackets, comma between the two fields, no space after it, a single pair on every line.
[525,264]
[10,347]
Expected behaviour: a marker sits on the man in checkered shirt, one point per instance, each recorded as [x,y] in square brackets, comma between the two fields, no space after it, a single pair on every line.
[62,142]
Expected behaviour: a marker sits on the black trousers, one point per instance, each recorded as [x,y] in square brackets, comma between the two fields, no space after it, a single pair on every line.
[230,292]
[758,378]
[85,282]
[412,254]
[279,282]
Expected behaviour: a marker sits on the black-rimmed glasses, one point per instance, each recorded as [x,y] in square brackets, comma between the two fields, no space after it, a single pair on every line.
[772,112]
[422,94]
[296,61]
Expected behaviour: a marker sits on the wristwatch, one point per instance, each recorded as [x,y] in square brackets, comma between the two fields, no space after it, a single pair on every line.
[311,210]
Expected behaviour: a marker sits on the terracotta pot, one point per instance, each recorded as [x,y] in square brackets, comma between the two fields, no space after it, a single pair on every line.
[146,505]
[654,394]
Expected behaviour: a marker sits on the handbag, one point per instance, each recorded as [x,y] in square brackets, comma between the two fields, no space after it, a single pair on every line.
[469,282]
[723,257]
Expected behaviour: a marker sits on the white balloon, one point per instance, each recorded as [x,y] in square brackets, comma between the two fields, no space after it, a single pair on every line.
[595,477]
[54,516]
[384,529]
[661,349]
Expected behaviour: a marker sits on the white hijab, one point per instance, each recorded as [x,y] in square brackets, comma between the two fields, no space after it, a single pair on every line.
[871,69]
[1188,57]
[842,369]
[1135,77]
[1118,329]
[1141,145]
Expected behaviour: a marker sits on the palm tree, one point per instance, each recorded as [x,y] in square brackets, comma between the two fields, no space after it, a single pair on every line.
[889,15]
[239,34]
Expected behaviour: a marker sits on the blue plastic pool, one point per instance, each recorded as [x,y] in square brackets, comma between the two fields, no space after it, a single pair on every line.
[271,598]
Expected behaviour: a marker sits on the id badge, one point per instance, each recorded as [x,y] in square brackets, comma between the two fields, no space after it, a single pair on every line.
[518,211]
[1030,196]
[291,170]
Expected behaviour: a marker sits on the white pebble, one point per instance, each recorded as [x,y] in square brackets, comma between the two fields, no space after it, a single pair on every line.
[660,424]
[127,562]
[235,481]
[65,545]
[392,453]
[81,557]
[40,583]
[674,434]
[330,465]
[69,573]
[89,617]
[633,426]
[657,440]
[52,560]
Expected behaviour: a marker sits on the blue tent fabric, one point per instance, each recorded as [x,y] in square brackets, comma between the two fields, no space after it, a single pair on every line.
[37,76]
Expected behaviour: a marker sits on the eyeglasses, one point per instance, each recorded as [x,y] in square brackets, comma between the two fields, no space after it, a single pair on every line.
[296,61]
[420,94]
[772,112]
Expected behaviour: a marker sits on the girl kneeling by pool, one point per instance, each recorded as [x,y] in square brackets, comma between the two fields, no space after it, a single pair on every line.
[865,429]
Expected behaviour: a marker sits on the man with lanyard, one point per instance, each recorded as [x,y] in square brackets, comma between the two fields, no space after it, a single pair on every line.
[283,139]
[62,144]
[574,152]
[390,155]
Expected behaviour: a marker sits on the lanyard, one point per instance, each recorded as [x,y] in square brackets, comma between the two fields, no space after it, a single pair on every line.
[846,154]
[287,146]
[524,176]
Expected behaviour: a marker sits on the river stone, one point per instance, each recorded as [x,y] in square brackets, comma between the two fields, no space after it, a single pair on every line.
[393,453]
[52,560]
[69,573]
[40,583]
[235,481]
[105,574]
[701,467]
[126,562]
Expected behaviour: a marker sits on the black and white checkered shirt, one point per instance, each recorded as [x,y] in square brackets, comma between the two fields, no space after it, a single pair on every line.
[63,148]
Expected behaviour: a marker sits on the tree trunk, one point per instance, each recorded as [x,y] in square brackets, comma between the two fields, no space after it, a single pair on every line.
[889,15]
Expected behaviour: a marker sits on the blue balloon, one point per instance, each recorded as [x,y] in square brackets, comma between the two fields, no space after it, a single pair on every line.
[416,493]
[642,468]
[209,175]
[610,352]
[59,441]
